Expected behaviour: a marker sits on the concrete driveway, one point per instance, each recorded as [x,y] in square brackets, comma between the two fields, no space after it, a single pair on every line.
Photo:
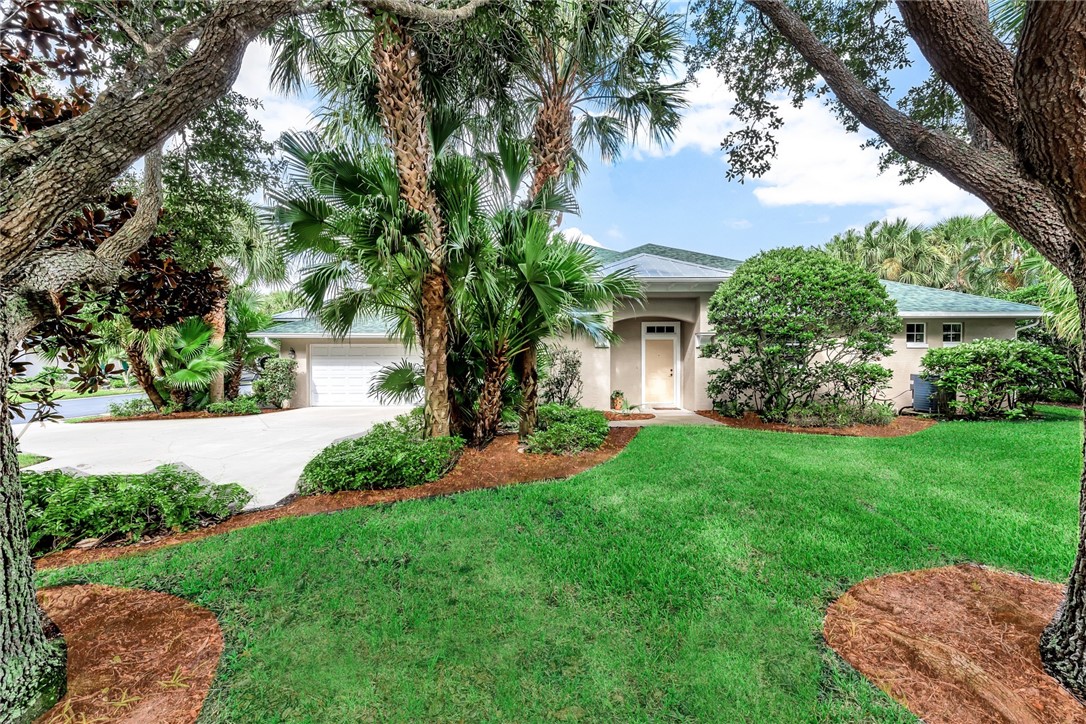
[264,453]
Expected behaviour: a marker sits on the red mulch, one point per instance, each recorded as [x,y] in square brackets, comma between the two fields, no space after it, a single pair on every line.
[902,425]
[183,415]
[615,416]
[499,463]
[955,644]
[133,656]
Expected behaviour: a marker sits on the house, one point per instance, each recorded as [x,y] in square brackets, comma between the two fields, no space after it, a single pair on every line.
[656,363]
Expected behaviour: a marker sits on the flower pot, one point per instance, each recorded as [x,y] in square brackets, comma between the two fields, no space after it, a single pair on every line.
[616,403]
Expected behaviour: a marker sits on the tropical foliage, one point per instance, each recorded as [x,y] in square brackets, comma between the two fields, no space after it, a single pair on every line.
[795,326]
[275,384]
[995,377]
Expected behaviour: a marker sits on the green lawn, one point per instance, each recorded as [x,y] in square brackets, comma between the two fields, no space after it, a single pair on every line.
[684,580]
[28,459]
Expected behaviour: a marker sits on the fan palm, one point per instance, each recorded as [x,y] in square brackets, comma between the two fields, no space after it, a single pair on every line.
[243,317]
[190,361]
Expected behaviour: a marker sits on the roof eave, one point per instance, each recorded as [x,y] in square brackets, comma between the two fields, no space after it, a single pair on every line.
[952,315]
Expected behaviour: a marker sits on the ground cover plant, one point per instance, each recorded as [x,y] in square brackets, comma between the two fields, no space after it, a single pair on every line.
[566,430]
[662,585]
[62,509]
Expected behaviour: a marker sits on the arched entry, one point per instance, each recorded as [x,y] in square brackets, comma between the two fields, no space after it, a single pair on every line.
[661,363]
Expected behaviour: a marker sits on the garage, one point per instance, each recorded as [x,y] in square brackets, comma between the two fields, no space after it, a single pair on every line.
[341,374]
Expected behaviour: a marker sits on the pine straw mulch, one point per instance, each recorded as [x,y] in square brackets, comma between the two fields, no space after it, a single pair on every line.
[617,416]
[133,656]
[902,425]
[499,463]
[957,644]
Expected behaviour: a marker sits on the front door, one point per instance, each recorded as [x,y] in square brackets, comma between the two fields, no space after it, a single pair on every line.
[660,371]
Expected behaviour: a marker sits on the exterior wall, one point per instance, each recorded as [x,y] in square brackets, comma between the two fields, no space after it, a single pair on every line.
[301,354]
[595,370]
[905,361]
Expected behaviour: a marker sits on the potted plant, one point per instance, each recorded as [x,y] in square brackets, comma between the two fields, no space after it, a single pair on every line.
[618,400]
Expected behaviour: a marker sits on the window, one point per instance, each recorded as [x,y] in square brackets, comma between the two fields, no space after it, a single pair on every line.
[952,334]
[916,334]
[660,329]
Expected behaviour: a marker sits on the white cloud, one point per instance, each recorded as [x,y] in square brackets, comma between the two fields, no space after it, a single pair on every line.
[737,223]
[574,234]
[280,112]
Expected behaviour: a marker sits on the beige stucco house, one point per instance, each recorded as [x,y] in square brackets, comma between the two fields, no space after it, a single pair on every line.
[657,362]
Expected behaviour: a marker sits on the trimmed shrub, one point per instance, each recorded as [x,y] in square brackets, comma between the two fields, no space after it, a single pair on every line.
[796,326]
[995,377]
[276,382]
[561,377]
[131,408]
[62,509]
[242,405]
[565,430]
[391,455]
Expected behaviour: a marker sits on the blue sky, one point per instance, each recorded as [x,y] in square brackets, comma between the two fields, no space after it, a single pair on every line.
[821,183]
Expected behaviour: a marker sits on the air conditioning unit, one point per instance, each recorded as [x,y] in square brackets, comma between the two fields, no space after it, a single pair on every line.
[927,397]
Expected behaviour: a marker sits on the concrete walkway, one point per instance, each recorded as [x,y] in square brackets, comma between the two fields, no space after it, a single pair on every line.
[667,417]
[264,453]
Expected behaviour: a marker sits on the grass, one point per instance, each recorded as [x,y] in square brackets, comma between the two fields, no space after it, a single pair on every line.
[28,459]
[108,392]
[684,580]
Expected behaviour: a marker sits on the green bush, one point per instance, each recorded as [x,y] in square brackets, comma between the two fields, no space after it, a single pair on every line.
[242,405]
[1063,396]
[840,414]
[995,377]
[276,382]
[391,455]
[62,509]
[565,430]
[560,377]
[131,408]
[796,326]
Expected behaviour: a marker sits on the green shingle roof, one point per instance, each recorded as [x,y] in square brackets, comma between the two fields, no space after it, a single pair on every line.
[609,256]
[914,299]
[309,327]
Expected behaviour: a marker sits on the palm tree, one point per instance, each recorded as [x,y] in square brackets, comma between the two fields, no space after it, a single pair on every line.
[243,317]
[895,251]
[190,361]
[592,73]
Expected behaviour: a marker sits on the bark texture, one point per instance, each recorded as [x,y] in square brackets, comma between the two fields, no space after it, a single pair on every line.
[215,319]
[145,376]
[489,416]
[552,140]
[398,68]
[526,369]
[233,382]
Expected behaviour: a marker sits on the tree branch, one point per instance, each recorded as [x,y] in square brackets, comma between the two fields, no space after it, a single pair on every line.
[956,38]
[1027,206]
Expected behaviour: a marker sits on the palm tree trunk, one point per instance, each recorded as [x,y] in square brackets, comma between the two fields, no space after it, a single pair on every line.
[552,140]
[490,398]
[526,368]
[32,660]
[402,104]
[145,376]
[233,382]
[216,320]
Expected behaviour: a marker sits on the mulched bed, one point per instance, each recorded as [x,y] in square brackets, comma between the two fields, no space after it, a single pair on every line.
[500,463]
[955,644]
[614,416]
[901,425]
[133,656]
[185,415]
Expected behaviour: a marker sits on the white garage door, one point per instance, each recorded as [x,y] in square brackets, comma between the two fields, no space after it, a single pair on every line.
[341,374]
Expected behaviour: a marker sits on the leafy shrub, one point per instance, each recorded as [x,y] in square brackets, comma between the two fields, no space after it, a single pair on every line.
[840,414]
[995,377]
[62,509]
[565,430]
[391,455]
[131,408]
[561,377]
[242,405]
[793,326]
[1063,396]
[276,382]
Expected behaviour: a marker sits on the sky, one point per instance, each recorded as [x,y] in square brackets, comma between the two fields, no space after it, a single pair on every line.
[821,183]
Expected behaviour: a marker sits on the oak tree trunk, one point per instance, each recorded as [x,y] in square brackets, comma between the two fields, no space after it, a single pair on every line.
[526,368]
[32,660]
[490,399]
[144,375]
[402,104]
[216,320]
[1063,643]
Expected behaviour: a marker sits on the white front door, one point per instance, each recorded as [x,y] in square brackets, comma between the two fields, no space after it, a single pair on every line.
[660,356]
[341,374]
